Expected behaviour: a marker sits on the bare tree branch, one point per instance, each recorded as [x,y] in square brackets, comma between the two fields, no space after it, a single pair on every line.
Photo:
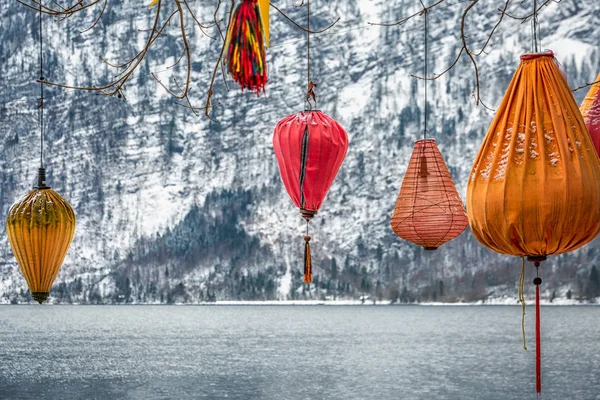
[300,26]
[585,86]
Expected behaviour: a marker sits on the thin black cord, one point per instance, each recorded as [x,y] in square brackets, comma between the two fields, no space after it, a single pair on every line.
[426,72]
[308,42]
[41,104]
[535,39]
[308,55]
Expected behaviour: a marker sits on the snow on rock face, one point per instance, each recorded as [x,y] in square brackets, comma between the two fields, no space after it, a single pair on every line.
[164,198]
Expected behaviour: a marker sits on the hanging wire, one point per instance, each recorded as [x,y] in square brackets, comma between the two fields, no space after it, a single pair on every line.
[308,44]
[426,71]
[310,93]
[41,102]
[534,27]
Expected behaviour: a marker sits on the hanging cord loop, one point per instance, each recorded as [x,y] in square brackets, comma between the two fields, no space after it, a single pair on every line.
[522,301]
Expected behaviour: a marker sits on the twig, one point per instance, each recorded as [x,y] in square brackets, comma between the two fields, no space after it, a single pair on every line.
[585,86]
[300,26]
[208,105]
[404,20]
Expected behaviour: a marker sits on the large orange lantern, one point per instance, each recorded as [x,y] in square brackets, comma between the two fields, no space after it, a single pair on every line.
[40,228]
[310,148]
[590,110]
[534,189]
[429,211]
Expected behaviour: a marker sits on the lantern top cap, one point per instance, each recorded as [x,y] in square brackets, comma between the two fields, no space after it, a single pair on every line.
[41,180]
[531,56]
[428,140]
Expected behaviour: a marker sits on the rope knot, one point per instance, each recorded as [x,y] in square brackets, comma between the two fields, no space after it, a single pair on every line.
[307,238]
[310,94]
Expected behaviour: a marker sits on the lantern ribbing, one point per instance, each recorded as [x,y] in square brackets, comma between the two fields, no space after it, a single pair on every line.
[428,212]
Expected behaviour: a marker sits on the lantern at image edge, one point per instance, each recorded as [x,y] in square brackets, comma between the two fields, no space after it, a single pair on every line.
[534,189]
[590,110]
[428,212]
[310,148]
[40,228]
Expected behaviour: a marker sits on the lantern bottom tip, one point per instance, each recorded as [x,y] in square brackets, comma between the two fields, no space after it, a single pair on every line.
[429,248]
[536,258]
[40,297]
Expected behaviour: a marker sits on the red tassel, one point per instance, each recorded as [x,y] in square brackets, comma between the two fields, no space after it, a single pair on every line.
[537,281]
[538,339]
[307,261]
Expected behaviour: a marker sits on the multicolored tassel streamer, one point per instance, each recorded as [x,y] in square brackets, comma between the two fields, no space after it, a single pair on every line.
[245,58]
[307,261]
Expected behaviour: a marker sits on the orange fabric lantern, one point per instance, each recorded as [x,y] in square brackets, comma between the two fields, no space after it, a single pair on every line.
[590,110]
[534,189]
[429,211]
[40,228]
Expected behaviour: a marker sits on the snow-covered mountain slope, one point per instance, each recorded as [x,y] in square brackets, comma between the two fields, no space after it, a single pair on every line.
[174,207]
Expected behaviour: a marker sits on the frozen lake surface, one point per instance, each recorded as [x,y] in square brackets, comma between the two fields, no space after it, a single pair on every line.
[295,352]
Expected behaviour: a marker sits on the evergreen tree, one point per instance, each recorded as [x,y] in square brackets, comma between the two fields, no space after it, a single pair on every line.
[592,289]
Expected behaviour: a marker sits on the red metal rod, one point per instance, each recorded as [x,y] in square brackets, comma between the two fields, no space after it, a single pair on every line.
[538,349]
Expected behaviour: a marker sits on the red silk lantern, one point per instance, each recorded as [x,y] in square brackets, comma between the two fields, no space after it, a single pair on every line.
[429,212]
[590,110]
[310,148]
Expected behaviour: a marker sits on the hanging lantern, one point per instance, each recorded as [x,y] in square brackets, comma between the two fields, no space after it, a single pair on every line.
[429,211]
[310,148]
[41,225]
[247,35]
[534,189]
[590,110]
[40,228]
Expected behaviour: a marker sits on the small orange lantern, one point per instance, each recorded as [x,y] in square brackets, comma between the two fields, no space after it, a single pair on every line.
[429,211]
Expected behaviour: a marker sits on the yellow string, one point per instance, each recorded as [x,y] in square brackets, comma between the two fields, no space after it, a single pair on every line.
[522,300]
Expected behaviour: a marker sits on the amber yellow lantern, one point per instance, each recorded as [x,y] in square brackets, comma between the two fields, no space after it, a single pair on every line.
[41,225]
[40,228]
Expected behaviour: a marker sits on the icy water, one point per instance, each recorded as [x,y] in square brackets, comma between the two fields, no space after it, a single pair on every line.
[294,352]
